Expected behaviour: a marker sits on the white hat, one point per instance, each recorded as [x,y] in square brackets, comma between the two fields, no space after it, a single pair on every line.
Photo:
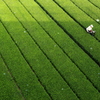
[91,25]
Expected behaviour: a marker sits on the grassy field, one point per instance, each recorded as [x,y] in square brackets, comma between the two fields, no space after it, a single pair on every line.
[45,51]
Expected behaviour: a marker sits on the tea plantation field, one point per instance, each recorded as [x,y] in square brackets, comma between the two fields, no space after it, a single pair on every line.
[45,51]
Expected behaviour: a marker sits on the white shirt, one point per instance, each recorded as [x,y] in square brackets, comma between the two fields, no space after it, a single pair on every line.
[88,28]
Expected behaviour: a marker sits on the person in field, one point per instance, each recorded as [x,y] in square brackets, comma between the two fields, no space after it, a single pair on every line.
[89,30]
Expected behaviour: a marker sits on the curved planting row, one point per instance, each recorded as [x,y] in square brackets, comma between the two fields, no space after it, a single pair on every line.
[44,62]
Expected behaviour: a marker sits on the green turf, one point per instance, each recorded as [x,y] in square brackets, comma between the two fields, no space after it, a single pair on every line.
[85,20]
[70,50]
[41,57]
[89,8]
[95,3]
[76,32]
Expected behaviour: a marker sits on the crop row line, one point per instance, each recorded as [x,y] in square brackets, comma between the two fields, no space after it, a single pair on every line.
[82,48]
[80,25]
[73,39]
[59,47]
[83,11]
[28,62]
[43,53]
[93,4]
[69,14]
[49,33]
[68,33]
[22,23]
[96,37]
[12,77]
[62,81]
[50,15]
[23,54]
[18,49]
[74,18]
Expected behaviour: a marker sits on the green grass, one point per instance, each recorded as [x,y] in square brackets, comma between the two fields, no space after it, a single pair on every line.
[71,49]
[20,70]
[7,85]
[95,2]
[41,57]
[84,19]
[38,62]
[77,32]
[94,12]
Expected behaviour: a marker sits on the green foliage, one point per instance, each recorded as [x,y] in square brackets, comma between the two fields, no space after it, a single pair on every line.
[45,55]
[95,2]
[74,30]
[89,8]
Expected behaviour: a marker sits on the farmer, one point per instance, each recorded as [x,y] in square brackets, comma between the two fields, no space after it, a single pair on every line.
[89,30]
